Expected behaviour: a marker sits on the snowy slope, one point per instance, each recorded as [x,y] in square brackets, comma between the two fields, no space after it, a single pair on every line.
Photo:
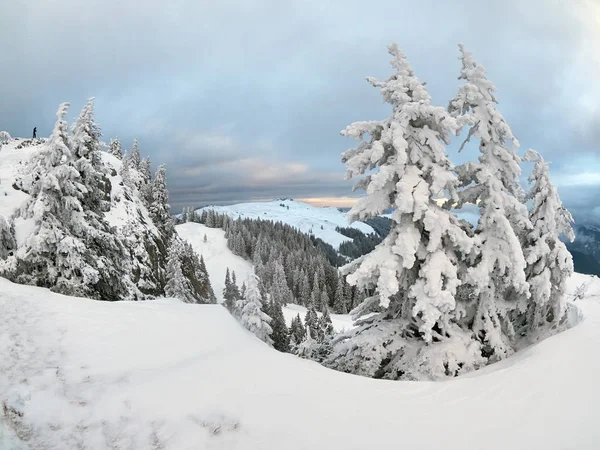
[217,255]
[123,211]
[77,373]
[306,218]
[218,258]
[11,160]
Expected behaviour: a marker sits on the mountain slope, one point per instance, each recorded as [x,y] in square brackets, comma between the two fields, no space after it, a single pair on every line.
[77,373]
[218,257]
[320,222]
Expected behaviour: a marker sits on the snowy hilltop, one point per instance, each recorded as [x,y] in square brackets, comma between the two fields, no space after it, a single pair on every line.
[91,223]
[319,222]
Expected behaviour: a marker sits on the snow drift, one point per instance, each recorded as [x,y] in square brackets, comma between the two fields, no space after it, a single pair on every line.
[77,373]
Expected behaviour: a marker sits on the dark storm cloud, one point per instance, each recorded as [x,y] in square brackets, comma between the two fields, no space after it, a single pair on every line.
[245,99]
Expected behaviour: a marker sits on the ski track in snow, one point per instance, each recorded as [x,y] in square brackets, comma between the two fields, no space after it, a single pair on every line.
[78,373]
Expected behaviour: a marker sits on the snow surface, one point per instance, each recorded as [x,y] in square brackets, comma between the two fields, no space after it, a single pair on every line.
[304,217]
[218,257]
[10,163]
[164,374]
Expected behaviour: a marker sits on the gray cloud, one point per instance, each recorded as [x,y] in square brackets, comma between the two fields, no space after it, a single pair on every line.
[229,92]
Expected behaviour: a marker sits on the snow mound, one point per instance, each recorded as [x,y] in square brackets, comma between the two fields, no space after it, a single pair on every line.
[320,222]
[77,373]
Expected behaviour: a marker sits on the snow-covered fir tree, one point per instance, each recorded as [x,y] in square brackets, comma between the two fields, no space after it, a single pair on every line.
[549,263]
[115,148]
[126,174]
[297,332]
[340,303]
[231,293]
[177,284]
[146,186]
[159,208]
[71,249]
[498,275]
[252,317]
[134,156]
[415,270]
[280,334]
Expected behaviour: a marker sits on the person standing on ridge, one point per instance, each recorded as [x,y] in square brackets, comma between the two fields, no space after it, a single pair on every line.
[34,132]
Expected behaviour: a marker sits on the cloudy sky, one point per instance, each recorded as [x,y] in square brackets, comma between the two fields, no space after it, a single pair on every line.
[245,99]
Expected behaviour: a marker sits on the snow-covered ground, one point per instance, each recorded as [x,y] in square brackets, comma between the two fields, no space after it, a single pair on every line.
[10,163]
[218,258]
[78,373]
[320,222]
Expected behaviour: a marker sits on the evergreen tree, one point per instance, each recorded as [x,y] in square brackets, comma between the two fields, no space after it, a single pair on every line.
[71,250]
[325,326]
[160,209]
[177,284]
[280,292]
[549,264]
[339,301]
[415,269]
[324,301]
[280,334]
[126,174]
[115,148]
[311,321]
[231,293]
[297,331]
[498,276]
[146,186]
[252,316]
[134,156]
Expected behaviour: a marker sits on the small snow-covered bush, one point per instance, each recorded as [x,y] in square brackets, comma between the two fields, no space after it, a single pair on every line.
[4,137]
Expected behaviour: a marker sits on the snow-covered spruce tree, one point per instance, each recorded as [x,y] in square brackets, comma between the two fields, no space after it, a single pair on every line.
[498,273]
[85,142]
[339,300]
[549,263]
[297,332]
[415,269]
[115,148]
[71,248]
[146,182]
[160,209]
[134,156]
[280,334]
[194,270]
[252,316]
[280,292]
[177,284]
[231,293]
[126,174]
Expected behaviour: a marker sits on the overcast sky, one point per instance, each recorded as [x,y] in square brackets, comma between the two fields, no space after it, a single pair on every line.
[245,99]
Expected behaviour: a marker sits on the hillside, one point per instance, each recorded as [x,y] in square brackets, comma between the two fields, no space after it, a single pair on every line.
[218,257]
[167,375]
[320,222]
[123,210]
